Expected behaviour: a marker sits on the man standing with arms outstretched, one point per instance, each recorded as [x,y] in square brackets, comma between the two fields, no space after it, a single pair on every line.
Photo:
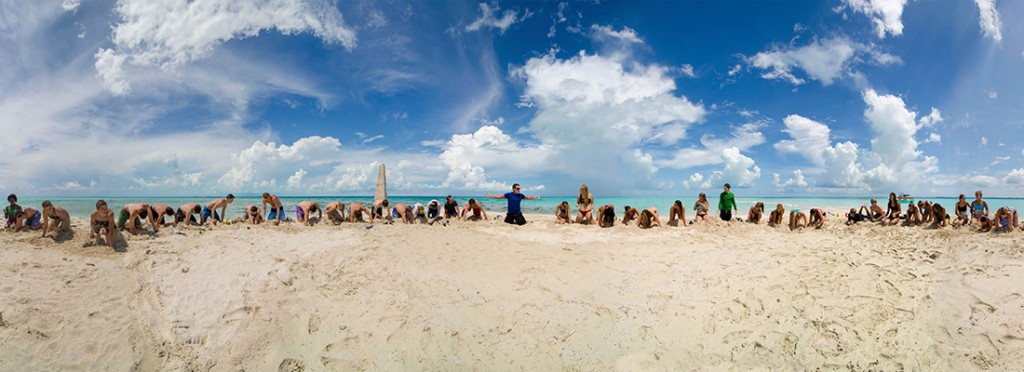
[515,214]
[726,204]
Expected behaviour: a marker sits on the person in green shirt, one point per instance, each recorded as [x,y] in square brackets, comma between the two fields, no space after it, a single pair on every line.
[726,204]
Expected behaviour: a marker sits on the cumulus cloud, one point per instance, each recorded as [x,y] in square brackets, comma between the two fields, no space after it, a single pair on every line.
[489,19]
[822,60]
[1015,177]
[606,33]
[989,21]
[810,139]
[170,33]
[687,70]
[262,164]
[601,108]
[694,180]
[467,155]
[743,138]
[797,182]
[740,171]
[884,14]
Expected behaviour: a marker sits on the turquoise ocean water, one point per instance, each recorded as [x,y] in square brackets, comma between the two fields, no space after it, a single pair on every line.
[82,207]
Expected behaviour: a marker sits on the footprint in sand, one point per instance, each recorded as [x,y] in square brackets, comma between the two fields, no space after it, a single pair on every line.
[291,365]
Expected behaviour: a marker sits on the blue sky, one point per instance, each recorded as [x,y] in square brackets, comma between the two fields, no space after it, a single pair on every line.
[845,97]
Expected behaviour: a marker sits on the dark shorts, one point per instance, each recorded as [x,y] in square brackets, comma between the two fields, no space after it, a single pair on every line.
[207,214]
[725,215]
[516,218]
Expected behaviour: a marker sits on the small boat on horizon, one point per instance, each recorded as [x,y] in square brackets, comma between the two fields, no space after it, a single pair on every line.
[905,197]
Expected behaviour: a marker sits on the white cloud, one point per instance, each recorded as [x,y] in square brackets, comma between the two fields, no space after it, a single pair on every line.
[988,19]
[885,14]
[171,33]
[821,60]
[1015,177]
[735,70]
[933,138]
[374,138]
[626,35]
[467,155]
[740,171]
[496,122]
[71,5]
[743,138]
[687,71]
[694,180]
[993,94]
[984,141]
[810,139]
[295,181]
[68,186]
[797,182]
[263,163]
[487,19]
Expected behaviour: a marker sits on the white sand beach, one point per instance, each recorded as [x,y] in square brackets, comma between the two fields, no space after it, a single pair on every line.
[488,296]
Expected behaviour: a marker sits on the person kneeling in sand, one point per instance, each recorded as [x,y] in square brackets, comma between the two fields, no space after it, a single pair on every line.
[187,214]
[418,213]
[28,218]
[585,206]
[335,212]
[1006,218]
[700,208]
[877,213]
[648,218]
[562,213]
[102,221]
[356,212]
[606,215]
[893,210]
[157,213]
[131,216]
[382,210]
[939,216]
[775,217]
[754,216]
[253,215]
[304,211]
[797,219]
[913,215]
[433,212]
[478,211]
[277,208]
[629,214]
[61,220]
[210,211]
[925,208]
[962,217]
[677,213]
[817,218]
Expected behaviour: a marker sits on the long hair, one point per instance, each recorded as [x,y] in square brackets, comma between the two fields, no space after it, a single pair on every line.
[678,204]
[645,219]
[584,196]
[702,197]
[760,206]
[563,206]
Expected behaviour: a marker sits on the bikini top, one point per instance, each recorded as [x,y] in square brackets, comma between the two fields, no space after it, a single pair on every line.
[961,209]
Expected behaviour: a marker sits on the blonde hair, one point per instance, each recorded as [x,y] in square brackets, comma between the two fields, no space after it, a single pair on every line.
[645,219]
[563,206]
[584,193]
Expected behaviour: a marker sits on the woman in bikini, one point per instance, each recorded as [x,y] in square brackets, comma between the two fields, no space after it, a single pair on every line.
[677,213]
[754,216]
[892,213]
[648,218]
[605,215]
[979,208]
[585,205]
[1006,218]
[817,218]
[775,218]
[925,207]
[701,208]
[961,207]
[562,213]
[629,215]
[939,216]
[797,219]
[913,215]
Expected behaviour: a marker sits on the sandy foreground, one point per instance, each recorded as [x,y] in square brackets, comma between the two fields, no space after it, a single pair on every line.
[487,296]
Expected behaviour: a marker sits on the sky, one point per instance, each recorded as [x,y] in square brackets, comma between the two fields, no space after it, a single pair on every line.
[660,98]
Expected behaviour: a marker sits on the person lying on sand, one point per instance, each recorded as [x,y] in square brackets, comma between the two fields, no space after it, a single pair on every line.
[676,214]
[29,218]
[335,212]
[276,207]
[629,214]
[1006,218]
[913,215]
[606,215]
[211,209]
[775,218]
[478,211]
[102,221]
[157,213]
[858,215]
[754,215]
[305,209]
[562,213]
[131,217]
[700,208]
[939,216]
[893,210]
[187,214]
[356,212]
[797,219]
[961,209]
[585,205]
[55,218]
[817,218]
[877,214]
[253,215]
[648,218]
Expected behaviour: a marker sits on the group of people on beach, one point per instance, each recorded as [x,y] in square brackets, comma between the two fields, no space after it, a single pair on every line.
[103,222]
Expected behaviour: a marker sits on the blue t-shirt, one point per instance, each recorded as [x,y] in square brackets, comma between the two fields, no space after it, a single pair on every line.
[513,202]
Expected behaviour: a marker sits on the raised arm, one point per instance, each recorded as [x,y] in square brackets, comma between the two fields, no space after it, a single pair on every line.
[496,196]
[525,197]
